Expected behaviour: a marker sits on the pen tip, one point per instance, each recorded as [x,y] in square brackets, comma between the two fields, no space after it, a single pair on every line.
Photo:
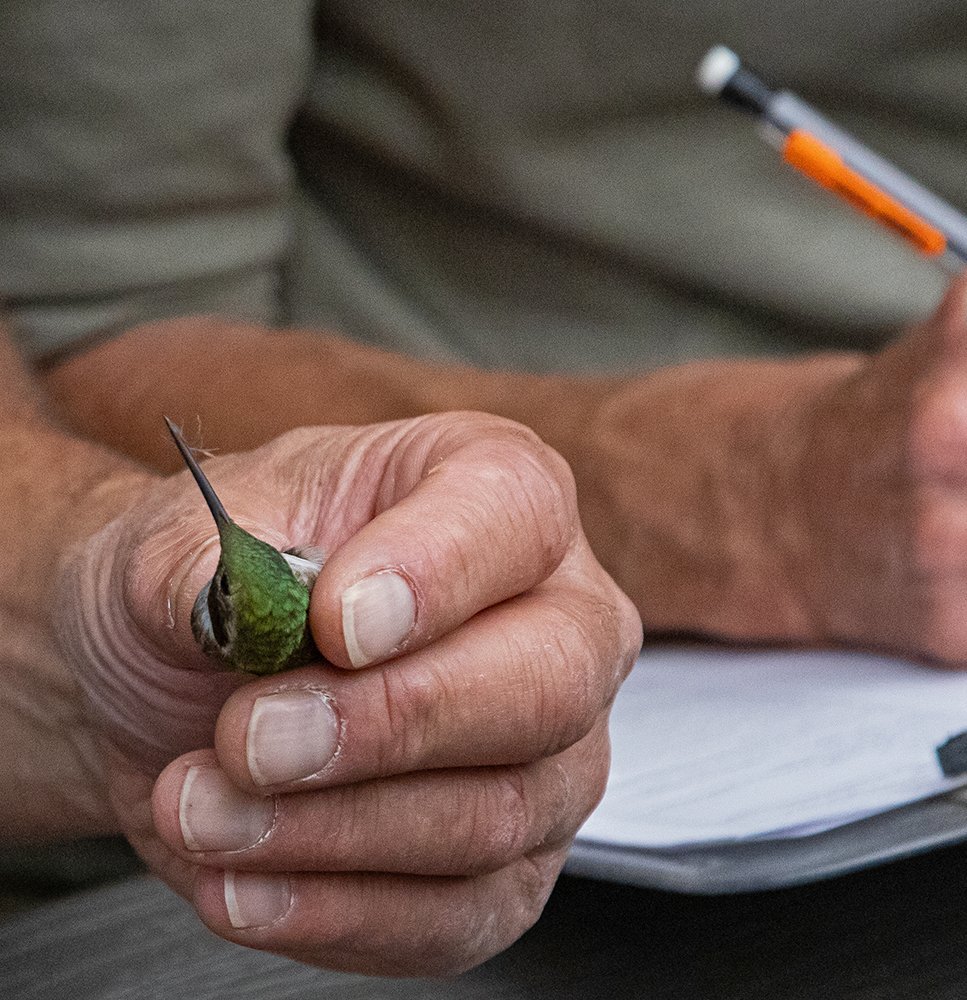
[715,70]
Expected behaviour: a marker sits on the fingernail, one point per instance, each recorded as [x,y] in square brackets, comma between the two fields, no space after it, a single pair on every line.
[378,613]
[256,900]
[291,735]
[216,816]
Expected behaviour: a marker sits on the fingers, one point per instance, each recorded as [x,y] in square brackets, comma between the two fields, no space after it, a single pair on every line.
[412,816]
[379,924]
[474,510]
[418,874]
[427,522]
[454,822]
[520,681]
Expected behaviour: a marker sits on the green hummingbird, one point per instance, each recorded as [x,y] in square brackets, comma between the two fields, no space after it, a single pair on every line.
[253,613]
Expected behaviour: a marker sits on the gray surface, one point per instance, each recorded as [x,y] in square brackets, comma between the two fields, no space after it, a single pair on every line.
[893,932]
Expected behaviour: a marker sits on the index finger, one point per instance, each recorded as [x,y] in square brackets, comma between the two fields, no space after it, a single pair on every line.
[475,510]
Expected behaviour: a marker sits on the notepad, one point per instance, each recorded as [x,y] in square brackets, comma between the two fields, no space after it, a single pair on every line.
[717,746]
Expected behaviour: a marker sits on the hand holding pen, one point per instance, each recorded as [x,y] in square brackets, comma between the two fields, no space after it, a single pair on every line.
[815,500]
[866,456]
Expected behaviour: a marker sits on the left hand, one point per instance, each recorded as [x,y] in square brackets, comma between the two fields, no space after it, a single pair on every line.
[409,817]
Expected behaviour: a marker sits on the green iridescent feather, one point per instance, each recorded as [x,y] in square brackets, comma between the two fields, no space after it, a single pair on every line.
[271,605]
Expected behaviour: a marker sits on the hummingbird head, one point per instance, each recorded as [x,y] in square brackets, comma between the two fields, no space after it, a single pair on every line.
[253,613]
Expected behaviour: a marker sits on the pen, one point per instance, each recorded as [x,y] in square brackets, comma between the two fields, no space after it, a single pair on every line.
[838,162]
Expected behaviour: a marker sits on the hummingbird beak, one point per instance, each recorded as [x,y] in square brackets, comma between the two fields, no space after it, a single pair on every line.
[214,504]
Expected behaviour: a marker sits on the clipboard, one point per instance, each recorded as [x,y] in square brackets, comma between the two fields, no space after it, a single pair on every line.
[652,831]
[759,865]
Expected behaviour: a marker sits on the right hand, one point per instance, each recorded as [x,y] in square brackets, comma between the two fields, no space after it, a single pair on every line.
[876,496]
[814,501]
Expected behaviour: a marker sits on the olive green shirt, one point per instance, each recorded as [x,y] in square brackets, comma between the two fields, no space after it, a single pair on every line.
[512,183]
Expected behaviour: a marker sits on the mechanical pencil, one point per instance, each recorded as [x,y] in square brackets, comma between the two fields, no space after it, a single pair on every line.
[840,163]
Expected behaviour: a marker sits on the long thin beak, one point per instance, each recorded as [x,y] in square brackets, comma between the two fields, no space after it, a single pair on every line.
[214,504]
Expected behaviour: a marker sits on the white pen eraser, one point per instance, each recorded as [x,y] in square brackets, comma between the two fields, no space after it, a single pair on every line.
[716,69]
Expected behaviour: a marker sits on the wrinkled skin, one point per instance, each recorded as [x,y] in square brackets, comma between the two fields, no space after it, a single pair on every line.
[451,771]
[877,537]
[820,500]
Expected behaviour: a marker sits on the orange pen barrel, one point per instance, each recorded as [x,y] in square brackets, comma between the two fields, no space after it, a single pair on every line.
[826,167]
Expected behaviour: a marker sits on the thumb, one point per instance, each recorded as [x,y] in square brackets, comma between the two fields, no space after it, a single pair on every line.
[479,510]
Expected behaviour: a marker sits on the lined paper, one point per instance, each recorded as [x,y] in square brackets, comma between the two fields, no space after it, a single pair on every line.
[716,745]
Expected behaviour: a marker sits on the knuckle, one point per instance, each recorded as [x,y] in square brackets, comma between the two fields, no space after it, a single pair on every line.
[630,633]
[492,822]
[503,826]
[583,777]
[546,481]
[617,625]
[539,476]
[545,466]
[497,911]
[456,953]
[596,766]
[539,513]
[572,686]
[463,933]
[414,702]
[534,878]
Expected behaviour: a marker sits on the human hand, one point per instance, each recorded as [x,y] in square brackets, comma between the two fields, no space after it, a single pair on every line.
[817,501]
[409,817]
[876,495]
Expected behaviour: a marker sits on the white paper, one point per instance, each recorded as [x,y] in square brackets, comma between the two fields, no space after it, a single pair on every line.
[713,745]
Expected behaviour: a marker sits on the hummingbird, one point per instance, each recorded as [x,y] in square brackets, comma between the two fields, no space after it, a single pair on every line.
[253,613]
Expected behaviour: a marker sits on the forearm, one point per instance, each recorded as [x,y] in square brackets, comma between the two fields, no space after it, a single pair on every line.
[683,473]
[235,385]
[54,490]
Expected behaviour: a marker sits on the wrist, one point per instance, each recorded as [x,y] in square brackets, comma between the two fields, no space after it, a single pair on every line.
[837,486]
[690,495]
[793,449]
